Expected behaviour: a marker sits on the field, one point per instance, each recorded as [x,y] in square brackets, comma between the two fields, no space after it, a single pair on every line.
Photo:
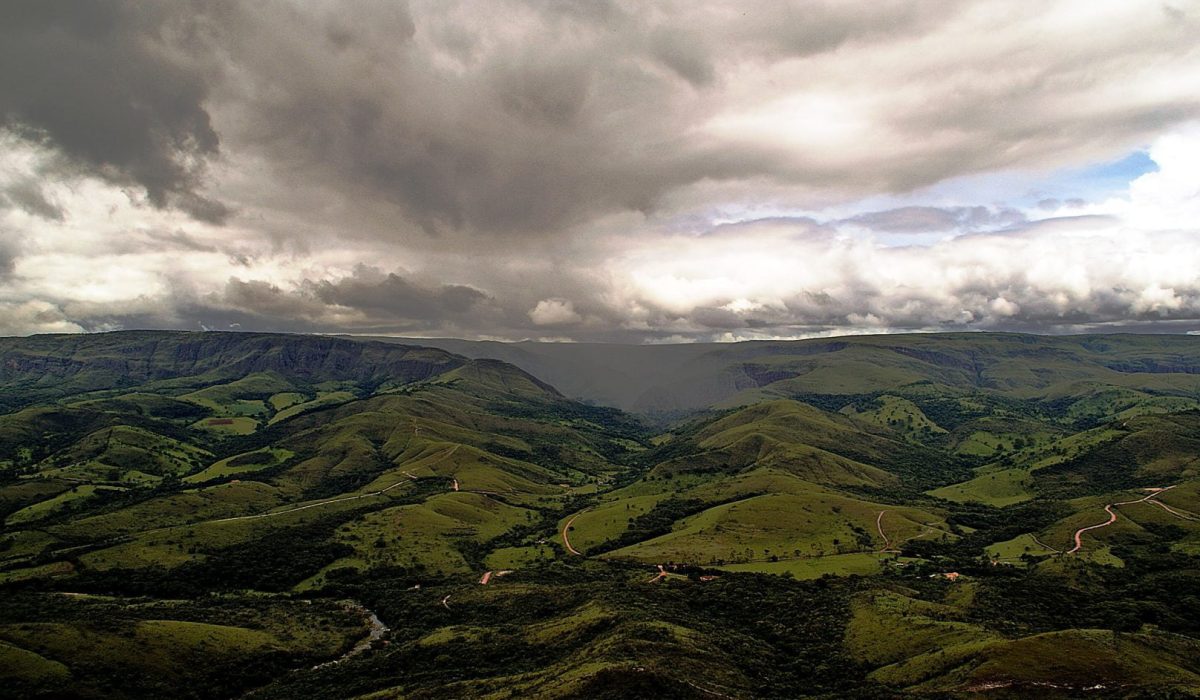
[995,487]
[246,463]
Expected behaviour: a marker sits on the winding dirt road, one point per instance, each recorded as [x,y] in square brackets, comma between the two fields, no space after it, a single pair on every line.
[662,573]
[708,691]
[1112,516]
[1043,544]
[1186,515]
[890,547]
[566,541]
[887,543]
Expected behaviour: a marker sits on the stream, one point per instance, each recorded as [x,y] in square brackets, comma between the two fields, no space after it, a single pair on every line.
[377,630]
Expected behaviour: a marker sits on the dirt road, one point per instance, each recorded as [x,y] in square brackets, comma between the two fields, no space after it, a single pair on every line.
[483,580]
[1043,544]
[566,540]
[1186,515]
[887,544]
[1112,516]
[318,504]
[708,691]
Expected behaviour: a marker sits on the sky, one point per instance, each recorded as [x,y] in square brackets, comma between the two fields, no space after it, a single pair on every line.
[639,172]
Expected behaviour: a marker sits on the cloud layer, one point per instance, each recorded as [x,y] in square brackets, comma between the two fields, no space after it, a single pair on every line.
[598,170]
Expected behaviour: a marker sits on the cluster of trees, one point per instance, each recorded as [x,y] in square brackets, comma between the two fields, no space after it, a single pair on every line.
[205,670]
[1155,587]
[761,636]
[1105,468]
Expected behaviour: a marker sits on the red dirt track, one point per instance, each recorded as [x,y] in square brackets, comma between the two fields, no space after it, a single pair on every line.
[1112,516]
[567,542]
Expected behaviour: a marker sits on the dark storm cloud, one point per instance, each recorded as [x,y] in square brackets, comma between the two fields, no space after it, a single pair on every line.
[509,117]
[532,118]
[104,83]
[27,195]
[724,319]
[391,296]
[513,117]
[267,300]
[511,146]
[366,300]
[8,252]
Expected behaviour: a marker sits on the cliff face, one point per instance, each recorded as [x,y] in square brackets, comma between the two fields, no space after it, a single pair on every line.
[56,365]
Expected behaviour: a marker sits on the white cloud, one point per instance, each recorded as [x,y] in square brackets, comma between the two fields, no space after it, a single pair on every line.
[554,312]
[1135,258]
[26,318]
[1170,197]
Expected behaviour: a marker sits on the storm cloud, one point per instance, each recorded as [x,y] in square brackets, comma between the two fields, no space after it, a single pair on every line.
[594,170]
[111,86]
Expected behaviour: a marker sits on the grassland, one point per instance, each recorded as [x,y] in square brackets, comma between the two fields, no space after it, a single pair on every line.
[423,536]
[779,525]
[51,506]
[245,463]
[994,487]
[328,398]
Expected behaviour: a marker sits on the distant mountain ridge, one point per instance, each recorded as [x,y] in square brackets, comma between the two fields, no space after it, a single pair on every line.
[680,378]
[647,379]
[48,366]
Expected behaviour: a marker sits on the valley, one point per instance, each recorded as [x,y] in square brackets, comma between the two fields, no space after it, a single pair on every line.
[274,516]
